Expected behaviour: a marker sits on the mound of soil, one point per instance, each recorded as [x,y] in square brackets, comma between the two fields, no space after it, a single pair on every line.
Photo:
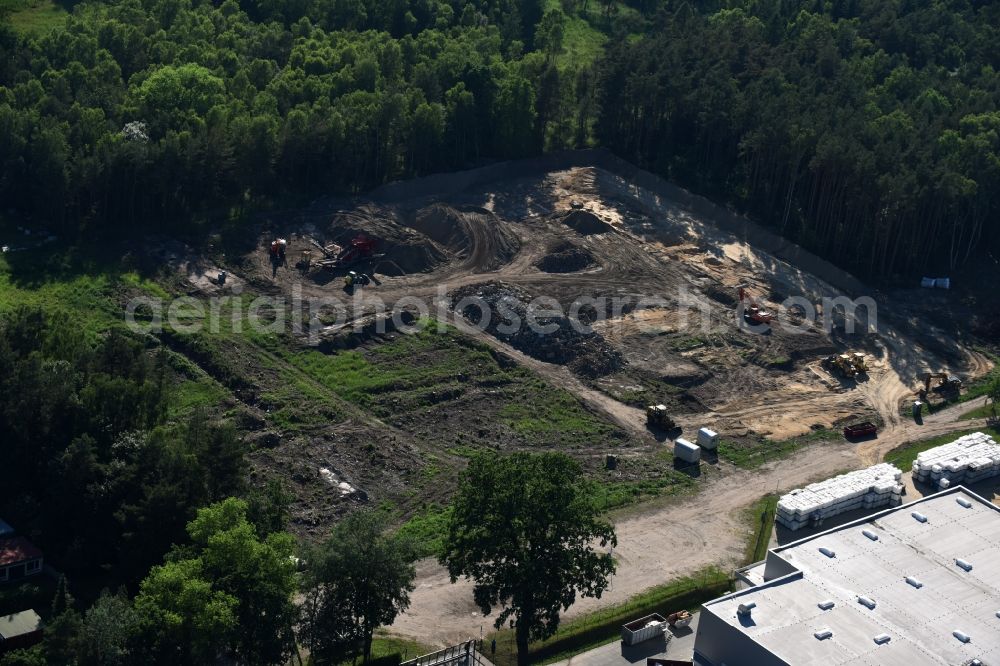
[566,258]
[585,353]
[476,235]
[584,222]
[399,249]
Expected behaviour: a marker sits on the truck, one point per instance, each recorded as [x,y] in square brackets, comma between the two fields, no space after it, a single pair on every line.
[858,430]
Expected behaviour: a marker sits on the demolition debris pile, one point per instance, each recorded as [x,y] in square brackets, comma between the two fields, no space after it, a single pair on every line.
[503,311]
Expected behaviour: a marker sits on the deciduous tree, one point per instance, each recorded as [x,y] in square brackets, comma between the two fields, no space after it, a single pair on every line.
[525,529]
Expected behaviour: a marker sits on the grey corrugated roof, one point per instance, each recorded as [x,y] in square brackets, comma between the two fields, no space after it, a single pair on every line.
[919,621]
[19,624]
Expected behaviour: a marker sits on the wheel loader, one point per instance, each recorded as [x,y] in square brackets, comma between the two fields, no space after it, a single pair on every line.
[656,416]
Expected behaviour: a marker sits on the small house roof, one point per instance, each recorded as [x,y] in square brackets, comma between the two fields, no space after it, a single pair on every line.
[17,549]
[19,624]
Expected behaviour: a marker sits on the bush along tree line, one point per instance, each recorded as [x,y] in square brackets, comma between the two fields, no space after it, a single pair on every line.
[199,568]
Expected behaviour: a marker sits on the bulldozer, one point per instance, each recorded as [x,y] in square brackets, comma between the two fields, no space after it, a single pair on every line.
[841,364]
[656,416]
[846,365]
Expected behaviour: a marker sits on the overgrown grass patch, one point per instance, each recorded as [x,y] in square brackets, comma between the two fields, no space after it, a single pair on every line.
[750,452]
[609,495]
[414,373]
[760,518]
[426,530]
[33,17]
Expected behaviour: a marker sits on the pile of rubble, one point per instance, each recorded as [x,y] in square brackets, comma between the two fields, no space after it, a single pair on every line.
[547,337]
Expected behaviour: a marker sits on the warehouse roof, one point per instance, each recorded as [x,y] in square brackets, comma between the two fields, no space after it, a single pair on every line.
[919,583]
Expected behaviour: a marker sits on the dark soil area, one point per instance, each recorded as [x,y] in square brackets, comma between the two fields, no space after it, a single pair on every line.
[557,339]
[566,258]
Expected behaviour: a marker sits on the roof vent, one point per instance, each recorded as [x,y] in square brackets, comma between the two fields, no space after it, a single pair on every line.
[962,564]
[865,601]
[998,613]
[882,639]
[823,634]
[914,582]
[826,551]
[919,516]
[828,604]
[962,636]
[871,535]
[744,609]
[964,502]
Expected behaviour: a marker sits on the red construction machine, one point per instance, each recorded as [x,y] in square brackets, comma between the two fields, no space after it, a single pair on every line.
[753,310]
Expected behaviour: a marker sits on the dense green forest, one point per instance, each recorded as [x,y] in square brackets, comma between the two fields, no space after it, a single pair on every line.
[867,130]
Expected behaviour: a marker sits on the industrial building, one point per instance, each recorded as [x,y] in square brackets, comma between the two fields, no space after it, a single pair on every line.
[912,585]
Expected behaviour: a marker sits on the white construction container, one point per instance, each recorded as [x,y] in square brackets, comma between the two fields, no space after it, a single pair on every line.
[686,451]
[708,439]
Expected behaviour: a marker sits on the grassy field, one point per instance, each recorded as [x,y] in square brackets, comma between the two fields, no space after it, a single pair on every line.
[903,456]
[982,411]
[412,375]
[751,452]
[33,16]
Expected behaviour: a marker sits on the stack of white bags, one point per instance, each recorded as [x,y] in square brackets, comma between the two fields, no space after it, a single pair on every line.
[869,488]
[968,459]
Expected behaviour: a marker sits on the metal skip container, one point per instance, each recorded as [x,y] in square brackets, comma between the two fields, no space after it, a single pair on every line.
[643,629]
